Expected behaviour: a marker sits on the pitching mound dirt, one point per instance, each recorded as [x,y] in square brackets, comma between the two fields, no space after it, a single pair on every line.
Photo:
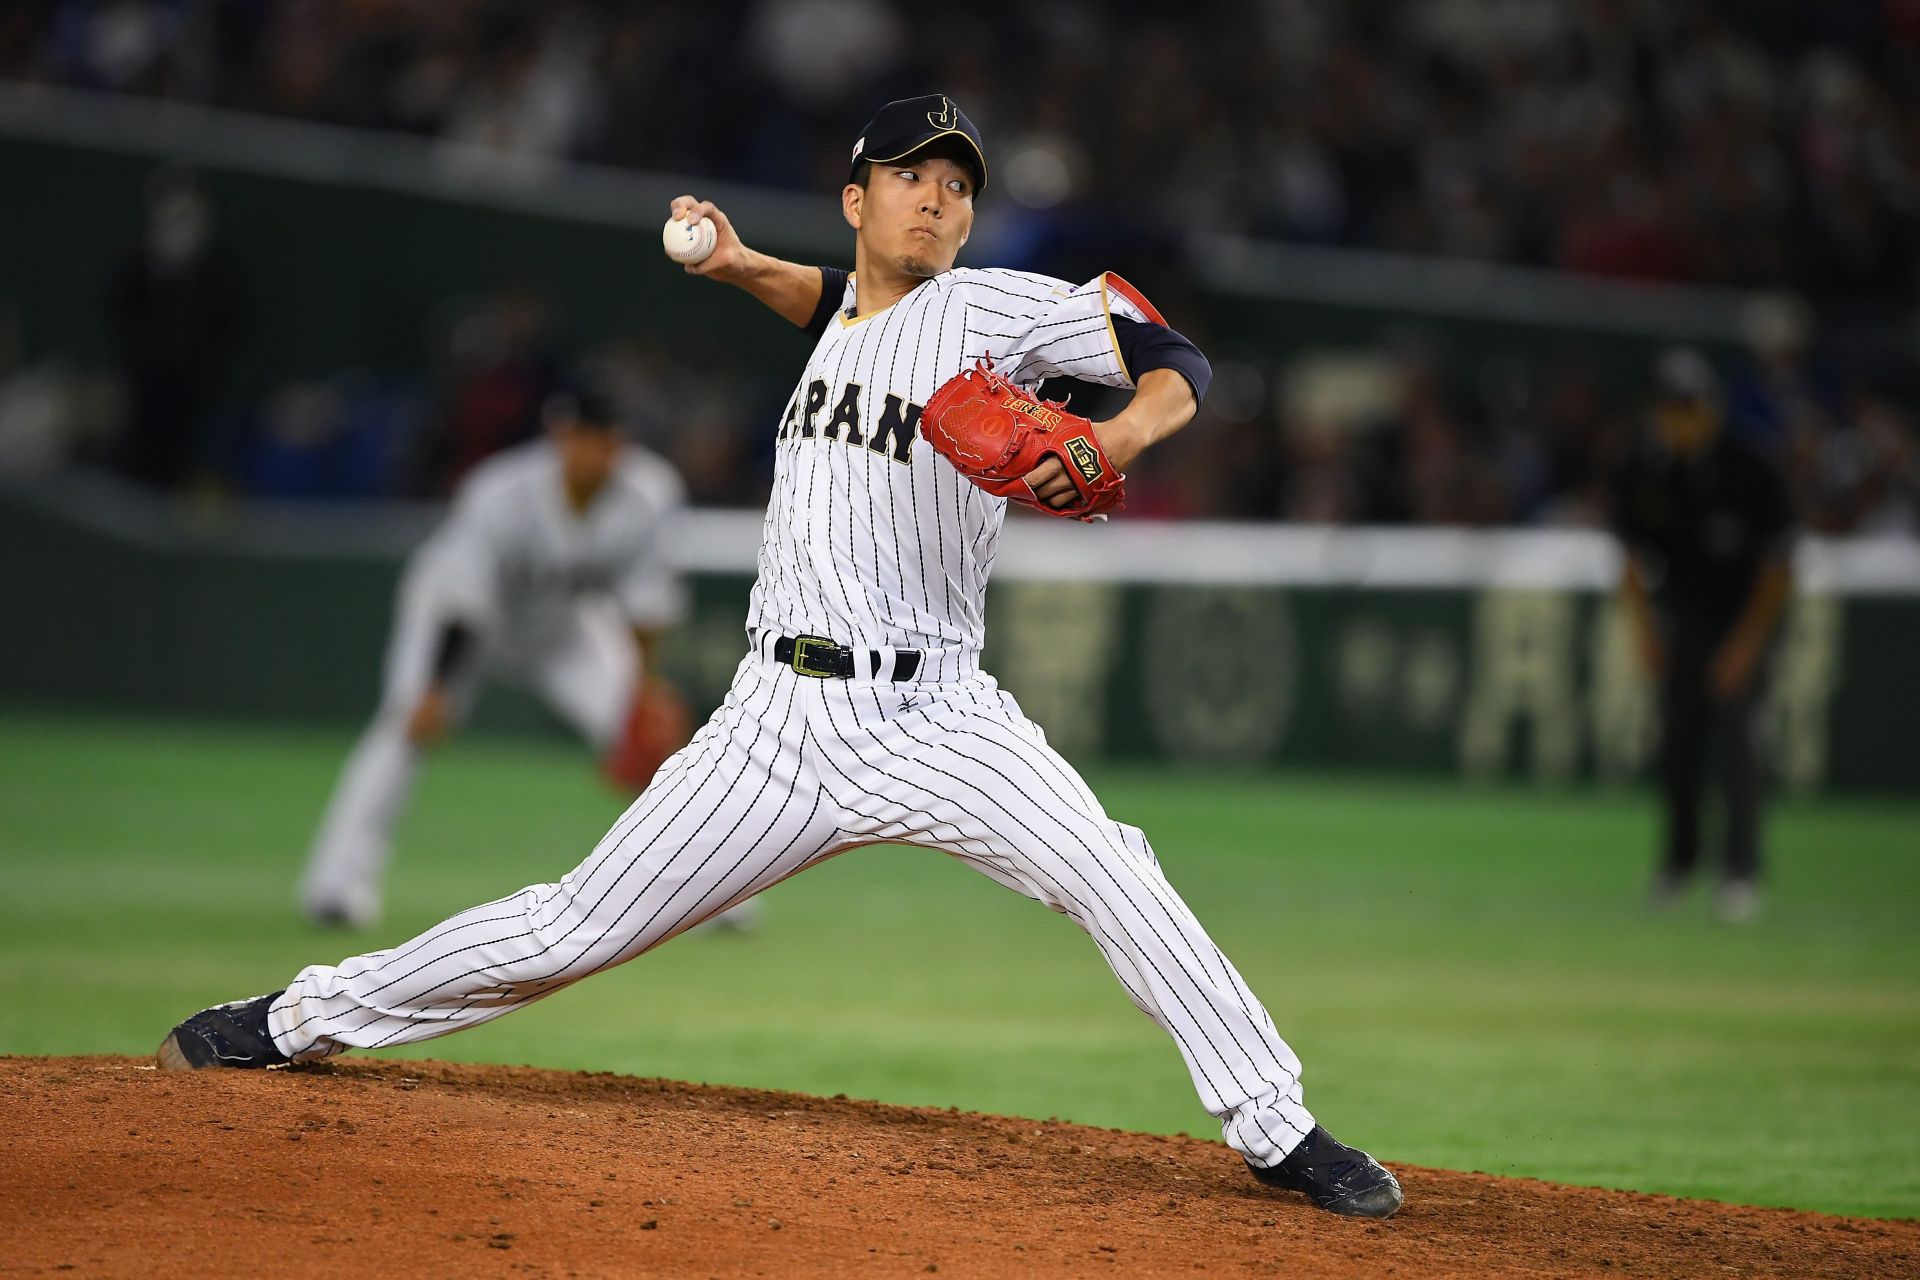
[108,1167]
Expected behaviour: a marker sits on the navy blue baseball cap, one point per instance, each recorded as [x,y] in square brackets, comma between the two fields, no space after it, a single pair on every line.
[581,403]
[905,126]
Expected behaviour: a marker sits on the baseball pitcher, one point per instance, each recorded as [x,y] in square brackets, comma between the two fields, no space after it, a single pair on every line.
[860,713]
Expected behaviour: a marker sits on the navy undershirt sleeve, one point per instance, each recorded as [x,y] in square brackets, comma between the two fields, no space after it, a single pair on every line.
[1145,347]
[833,287]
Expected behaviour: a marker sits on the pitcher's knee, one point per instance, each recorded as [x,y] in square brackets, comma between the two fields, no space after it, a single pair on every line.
[1135,841]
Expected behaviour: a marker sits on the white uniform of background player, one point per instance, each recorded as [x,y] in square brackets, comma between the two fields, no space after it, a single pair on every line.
[546,596]
[859,713]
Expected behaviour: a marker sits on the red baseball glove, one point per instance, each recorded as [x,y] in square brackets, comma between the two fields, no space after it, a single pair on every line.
[657,726]
[994,434]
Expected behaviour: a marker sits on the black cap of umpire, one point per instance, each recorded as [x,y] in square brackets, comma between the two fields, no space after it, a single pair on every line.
[907,125]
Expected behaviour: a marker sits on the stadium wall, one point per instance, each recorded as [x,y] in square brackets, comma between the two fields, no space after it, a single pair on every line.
[1471,654]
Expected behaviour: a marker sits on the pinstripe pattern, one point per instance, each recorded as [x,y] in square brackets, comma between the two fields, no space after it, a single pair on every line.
[864,548]
[873,540]
[790,771]
[960,769]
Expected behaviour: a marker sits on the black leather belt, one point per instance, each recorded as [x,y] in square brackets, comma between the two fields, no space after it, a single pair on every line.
[824,660]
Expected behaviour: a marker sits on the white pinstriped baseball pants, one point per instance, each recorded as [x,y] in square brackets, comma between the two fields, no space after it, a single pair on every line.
[788,772]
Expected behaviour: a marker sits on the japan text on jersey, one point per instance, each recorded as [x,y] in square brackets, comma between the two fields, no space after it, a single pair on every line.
[871,537]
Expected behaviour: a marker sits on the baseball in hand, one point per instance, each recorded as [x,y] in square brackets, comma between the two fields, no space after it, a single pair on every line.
[687,242]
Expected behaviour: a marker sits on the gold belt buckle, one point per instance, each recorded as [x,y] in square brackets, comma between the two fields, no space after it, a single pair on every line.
[803,649]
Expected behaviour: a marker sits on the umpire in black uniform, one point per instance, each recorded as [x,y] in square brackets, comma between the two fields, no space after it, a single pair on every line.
[1706,525]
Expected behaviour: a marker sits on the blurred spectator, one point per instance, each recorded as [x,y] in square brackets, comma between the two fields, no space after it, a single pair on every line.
[499,361]
[534,95]
[39,423]
[1770,146]
[1767,146]
[340,437]
[696,407]
[825,53]
[1862,475]
[1780,397]
[1705,524]
[175,311]
[1584,440]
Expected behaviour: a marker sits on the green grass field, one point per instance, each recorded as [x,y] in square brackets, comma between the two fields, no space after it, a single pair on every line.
[1469,974]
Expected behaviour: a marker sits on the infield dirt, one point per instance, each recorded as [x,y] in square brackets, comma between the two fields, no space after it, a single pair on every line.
[108,1167]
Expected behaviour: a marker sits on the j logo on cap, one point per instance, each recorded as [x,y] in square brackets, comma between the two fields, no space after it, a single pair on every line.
[904,126]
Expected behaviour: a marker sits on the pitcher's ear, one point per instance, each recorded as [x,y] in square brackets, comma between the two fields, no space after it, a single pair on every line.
[852,199]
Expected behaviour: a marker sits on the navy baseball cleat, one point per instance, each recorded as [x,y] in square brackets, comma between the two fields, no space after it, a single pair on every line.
[1338,1178]
[227,1035]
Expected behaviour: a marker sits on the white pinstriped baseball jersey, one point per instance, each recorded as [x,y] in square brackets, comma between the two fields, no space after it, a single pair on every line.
[875,542]
[551,596]
[514,560]
[872,538]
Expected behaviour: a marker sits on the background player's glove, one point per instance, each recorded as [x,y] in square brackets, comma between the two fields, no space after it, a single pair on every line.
[994,434]
[657,726]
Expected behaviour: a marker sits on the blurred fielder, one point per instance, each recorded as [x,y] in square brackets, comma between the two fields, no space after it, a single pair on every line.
[549,573]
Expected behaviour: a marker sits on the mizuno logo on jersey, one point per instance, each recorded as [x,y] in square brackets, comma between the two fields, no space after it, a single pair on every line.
[892,434]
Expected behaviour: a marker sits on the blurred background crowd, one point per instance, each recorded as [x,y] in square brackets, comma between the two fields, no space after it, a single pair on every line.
[1769,145]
